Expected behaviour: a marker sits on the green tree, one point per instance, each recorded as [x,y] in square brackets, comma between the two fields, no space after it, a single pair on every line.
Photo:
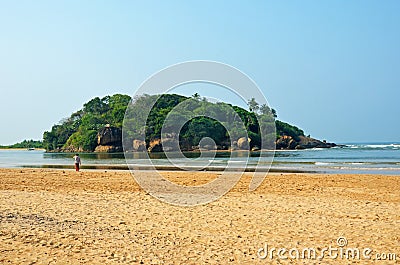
[79,130]
[253,105]
[196,96]
[266,110]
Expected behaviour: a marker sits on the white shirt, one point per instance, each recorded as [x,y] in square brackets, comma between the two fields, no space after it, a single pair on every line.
[77,159]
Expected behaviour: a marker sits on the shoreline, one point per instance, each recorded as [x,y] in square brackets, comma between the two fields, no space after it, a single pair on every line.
[248,169]
[217,170]
[167,168]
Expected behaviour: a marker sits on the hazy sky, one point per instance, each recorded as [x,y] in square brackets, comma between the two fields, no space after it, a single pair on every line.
[329,67]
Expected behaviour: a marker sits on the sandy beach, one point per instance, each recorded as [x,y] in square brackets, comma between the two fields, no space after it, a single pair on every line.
[104,217]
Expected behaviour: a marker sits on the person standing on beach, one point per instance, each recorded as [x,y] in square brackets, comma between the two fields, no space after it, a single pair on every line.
[77,160]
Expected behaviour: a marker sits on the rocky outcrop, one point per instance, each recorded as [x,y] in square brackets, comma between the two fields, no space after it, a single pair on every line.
[286,142]
[308,142]
[109,140]
[109,136]
[69,149]
[234,146]
[255,148]
[302,142]
[168,143]
[243,143]
[108,149]
[283,143]
[155,146]
[139,145]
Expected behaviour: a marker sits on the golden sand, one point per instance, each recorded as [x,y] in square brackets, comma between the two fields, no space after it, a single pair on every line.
[98,217]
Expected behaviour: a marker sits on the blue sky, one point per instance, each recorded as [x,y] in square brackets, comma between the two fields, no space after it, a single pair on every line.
[329,67]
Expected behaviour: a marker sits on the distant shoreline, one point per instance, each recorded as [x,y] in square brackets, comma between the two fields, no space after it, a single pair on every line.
[26,149]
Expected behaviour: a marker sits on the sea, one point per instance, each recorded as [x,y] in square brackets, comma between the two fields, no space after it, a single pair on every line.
[351,158]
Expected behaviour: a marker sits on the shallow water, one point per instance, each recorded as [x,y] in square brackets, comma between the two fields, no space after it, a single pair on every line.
[371,158]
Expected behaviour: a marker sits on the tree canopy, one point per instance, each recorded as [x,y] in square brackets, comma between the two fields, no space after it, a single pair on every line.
[80,129]
[24,144]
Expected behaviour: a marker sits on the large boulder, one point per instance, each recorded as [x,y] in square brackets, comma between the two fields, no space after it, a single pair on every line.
[292,144]
[255,148]
[284,141]
[155,146]
[139,145]
[233,147]
[243,143]
[108,149]
[109,136]
[109,139]
[168,143]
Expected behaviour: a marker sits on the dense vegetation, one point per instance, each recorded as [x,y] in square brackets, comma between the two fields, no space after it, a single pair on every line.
[198,117]
[80,129]
[24,144]
[283,128]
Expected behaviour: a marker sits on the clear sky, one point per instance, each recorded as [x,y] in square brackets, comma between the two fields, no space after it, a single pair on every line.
[329,67]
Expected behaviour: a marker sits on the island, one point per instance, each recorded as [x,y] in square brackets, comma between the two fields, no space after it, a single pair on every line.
[97,127]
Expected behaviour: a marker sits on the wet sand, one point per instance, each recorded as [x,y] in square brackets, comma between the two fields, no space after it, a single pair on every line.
[103,217]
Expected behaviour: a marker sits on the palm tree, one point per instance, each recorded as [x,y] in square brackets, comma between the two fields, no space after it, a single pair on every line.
[196,96]
[273,111]
[253,105]
[266,110]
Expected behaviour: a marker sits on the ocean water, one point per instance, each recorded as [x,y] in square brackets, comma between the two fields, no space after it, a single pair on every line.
[370,158]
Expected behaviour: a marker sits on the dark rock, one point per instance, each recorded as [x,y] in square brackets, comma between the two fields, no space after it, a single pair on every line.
[283,142]
[139,145]
[109,136]
[308,142]
[292,144]
[155,146]
[167,144]
[299,147]
[302,142]
[255,148]
[109,140]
